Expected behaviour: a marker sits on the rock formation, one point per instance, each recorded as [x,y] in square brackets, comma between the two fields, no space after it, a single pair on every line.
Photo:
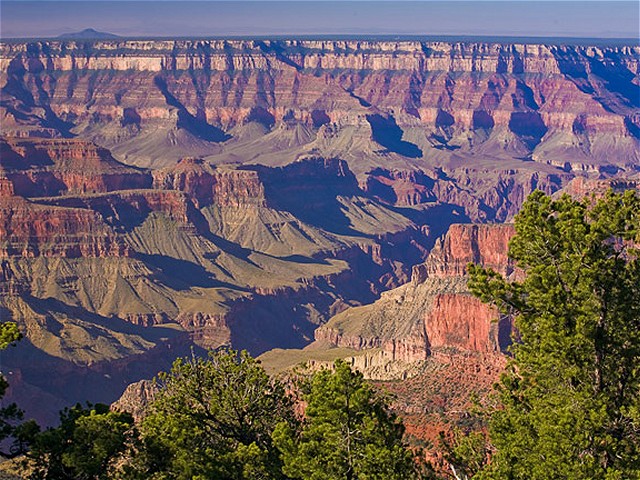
[107,265]
[435,311]
[475,124]
[64,167]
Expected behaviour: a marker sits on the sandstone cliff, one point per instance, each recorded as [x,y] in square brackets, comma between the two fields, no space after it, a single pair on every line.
[62,167]
[107,265]
[32,230]
[206,184]
[317,174]
[435,311]
[398,105]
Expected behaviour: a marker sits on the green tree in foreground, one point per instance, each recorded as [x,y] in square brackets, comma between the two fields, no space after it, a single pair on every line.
[213,418]
[87,445]
[348,433]
[571,394]
[466,453]
[11,415]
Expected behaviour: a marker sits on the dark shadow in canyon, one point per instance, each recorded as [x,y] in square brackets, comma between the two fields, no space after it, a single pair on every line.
[195,125]
[529,127]
[181,275]
[387,133]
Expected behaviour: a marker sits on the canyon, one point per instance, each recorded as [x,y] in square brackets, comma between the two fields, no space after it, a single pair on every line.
[300,199]
[430,317]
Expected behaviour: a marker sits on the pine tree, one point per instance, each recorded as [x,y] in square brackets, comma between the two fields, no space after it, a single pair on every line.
[86,445]
[570,398]
[213,418]
[348,433]
[11,426]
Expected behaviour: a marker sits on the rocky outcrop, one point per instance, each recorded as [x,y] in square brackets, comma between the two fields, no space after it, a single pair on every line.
[136,398]
[65,167]
[129,208]
[208,330]
[206,184]
[401,187]
[31,230]
[462,322]
[485,245]
[435,312]
[581,187]
[309,182]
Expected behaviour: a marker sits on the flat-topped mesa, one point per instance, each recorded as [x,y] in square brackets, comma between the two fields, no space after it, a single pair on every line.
[487,245]
[305,184]
[191,175]
[46,167]
[206,184]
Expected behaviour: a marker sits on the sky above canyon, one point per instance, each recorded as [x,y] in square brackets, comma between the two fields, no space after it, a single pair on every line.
[578,19]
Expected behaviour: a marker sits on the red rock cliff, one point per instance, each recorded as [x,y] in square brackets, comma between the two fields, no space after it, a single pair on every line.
[207,184]
[435,311]
[485,245]
[31,230]
[53,167]
[557,104]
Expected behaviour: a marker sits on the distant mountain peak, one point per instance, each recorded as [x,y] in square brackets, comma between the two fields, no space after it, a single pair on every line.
[88,33]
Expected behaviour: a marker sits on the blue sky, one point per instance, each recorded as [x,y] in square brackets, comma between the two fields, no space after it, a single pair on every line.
[594,19]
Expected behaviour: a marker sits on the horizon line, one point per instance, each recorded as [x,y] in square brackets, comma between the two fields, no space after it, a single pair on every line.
[320,36]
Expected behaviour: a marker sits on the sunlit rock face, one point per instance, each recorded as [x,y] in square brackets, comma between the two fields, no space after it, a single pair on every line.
[434,312]
[421,103]
[161,195]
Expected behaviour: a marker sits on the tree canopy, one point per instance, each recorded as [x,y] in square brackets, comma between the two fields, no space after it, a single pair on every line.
[347,433]
[11,415]
[570,398]
[213,418]
[224,418]
[85,446]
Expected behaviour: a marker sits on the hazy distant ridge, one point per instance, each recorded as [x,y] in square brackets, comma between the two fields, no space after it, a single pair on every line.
[88,33]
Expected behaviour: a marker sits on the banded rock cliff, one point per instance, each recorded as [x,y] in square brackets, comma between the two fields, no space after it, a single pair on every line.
[108,265]
[483,121]
[314,176]
[435,311]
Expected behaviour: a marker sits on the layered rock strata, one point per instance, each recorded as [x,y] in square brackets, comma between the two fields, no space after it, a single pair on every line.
[64,167]
[435,311]
[574,107]
[107,264]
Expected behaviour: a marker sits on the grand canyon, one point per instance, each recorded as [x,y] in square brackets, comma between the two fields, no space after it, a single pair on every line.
[301,199]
